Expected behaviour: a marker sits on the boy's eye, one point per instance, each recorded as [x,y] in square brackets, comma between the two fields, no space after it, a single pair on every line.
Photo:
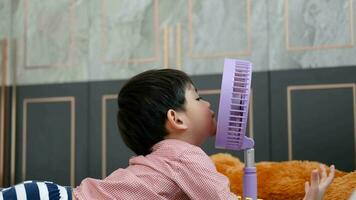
[199,98]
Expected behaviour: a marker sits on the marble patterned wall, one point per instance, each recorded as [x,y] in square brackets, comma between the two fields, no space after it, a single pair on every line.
[87,40]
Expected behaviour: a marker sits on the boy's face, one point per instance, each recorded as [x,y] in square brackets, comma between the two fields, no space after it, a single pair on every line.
[201,119]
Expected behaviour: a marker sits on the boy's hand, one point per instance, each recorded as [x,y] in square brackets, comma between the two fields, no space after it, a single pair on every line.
[317,187]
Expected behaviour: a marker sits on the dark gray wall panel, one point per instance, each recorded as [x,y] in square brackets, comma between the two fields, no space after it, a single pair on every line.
[323,126]
[321,121]
[53,114]
[48,141]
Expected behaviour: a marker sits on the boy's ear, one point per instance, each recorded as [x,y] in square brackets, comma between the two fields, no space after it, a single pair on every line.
[176,120]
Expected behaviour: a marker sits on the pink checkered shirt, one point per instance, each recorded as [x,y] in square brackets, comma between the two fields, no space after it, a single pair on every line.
[174,170]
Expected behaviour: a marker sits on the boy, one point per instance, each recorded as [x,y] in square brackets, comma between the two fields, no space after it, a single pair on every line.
[163,120]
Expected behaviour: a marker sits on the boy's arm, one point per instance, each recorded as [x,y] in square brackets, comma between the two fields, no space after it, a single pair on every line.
[318,185]
[195,173]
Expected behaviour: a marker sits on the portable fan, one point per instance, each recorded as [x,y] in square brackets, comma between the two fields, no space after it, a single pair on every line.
[232,118]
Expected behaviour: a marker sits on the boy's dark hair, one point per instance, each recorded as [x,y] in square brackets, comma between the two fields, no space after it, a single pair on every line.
[143,104]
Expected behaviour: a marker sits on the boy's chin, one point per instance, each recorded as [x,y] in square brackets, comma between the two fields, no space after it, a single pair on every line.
[213,132]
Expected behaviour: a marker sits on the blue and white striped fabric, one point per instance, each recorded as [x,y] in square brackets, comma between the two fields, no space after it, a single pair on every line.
[35,190]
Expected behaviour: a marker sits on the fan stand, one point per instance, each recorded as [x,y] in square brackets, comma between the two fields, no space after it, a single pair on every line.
[249,178]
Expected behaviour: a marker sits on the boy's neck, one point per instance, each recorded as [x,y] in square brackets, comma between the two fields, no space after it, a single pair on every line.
[185,137]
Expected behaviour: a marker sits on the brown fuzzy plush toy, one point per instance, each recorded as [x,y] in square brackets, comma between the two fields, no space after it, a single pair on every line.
[283,180]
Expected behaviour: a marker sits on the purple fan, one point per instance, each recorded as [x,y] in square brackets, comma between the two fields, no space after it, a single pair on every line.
[232,118]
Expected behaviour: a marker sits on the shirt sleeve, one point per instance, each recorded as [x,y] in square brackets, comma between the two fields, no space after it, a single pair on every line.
[196,175]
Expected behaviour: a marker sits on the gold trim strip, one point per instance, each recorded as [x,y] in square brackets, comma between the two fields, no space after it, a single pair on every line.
[104,39]
[178,47]
[196,55]
[4,58]
[289,121]
[190,28]
[352,24]
[104,99]
[219,55]
[156,28]
[136,61]
[320,86]
[296,49]
[26,102]
[24,139]
[169,46]
[72,143]
[286,23]
[13,112]
[165,47]
[103,137]
[70,48]
[209,92]
[292,88]
[248,28]
[320,47]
